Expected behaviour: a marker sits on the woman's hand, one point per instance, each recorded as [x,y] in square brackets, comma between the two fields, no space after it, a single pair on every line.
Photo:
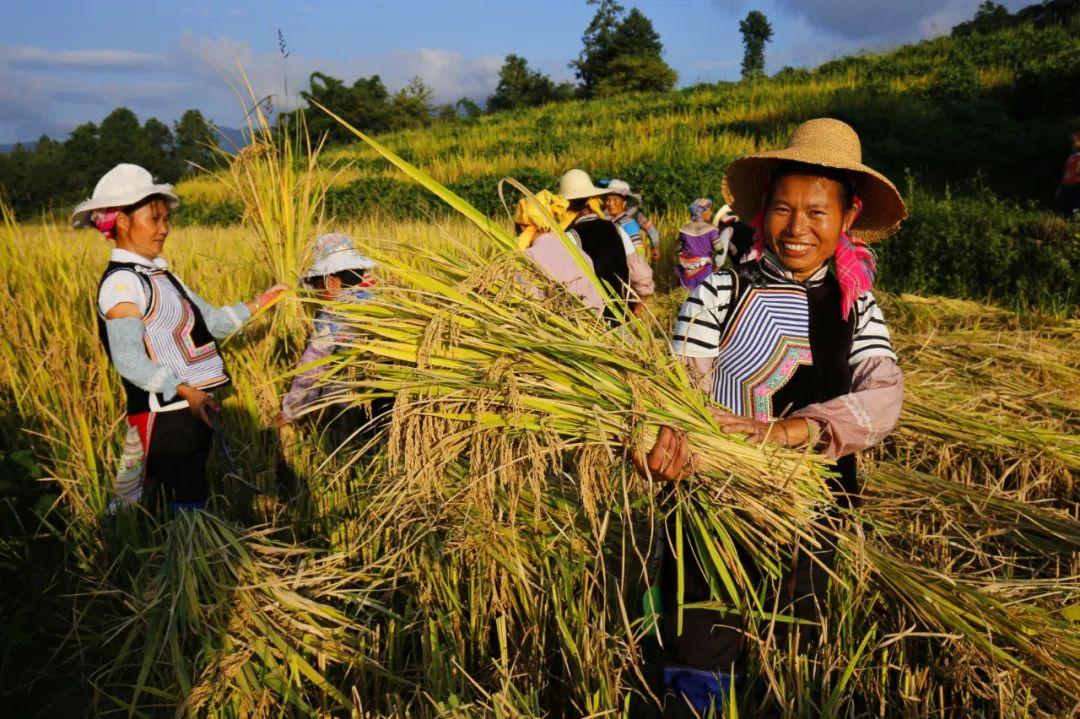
[266,298]
[200,403]
[786,433]
[670,458]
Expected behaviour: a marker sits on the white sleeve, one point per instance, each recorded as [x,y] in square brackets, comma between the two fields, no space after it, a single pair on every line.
[701,319]
[121,286]
[871,336]
[628,244]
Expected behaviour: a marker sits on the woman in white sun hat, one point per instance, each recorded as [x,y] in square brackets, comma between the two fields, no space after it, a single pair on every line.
[634,223]
[338,274]
[616,262]
[161,338]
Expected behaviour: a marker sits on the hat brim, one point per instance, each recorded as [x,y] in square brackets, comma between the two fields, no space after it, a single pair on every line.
[633,196]
[746,181]
[340,262]
[81,216]
[586,194]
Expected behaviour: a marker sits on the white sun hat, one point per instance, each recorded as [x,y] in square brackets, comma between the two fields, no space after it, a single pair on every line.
[122,186]
[577,185]
[335,252]
[621,187]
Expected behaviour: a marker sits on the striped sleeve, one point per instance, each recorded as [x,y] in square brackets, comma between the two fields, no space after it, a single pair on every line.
[871,337]
[701,318]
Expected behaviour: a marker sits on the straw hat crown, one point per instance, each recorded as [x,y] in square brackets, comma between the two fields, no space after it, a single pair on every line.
[577,185]
[122,186]
[828,143]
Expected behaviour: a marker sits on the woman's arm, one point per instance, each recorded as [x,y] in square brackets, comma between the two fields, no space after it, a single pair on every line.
[304,390]
[863,417]
[223,321]
[641,276]
[129,356]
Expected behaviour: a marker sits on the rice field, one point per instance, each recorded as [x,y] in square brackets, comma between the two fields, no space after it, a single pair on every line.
[484,554]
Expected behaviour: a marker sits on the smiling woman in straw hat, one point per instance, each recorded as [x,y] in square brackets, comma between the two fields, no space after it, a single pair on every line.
[160,336]
[793,349]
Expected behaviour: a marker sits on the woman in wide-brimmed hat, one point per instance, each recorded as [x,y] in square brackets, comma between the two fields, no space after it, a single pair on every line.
[533,217]
[639,228]
[793,349]
[616,262]
[161,338]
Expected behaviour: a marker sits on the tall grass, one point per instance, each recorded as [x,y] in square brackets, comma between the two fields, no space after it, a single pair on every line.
[485,557]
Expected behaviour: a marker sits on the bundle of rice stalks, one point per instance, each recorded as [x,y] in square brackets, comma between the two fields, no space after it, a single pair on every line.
[499,392]
[990,400]
[217,621]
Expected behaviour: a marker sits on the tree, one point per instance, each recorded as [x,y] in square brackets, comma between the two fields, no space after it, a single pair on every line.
[756,31]
[446,112]
[621,53]
[194,140]
[411,105]
[120,137]
[598,45]
[638,65]
[365,105]
[156,150]
[468,108]
[82,152]
[521,87]
[636,73]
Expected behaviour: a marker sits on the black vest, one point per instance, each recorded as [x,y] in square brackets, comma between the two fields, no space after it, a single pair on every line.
[138,400]
[600,240]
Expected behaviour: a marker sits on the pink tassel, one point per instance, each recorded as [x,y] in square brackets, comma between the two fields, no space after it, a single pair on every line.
[855,266]
[105,222]
[757,250]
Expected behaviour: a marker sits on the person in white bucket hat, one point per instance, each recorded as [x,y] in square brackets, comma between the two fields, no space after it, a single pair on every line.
[162,339]
[615,261]
[339,273]
[635,224]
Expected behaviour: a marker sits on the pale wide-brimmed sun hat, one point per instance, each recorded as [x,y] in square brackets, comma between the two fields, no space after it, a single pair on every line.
[335,252]
[828,143]
[120,187]
[621,187]
[577,185]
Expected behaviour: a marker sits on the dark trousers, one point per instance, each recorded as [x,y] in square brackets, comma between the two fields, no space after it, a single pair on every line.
[176,459]
[715,640]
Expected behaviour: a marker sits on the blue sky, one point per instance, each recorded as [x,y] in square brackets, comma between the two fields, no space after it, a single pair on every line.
[64,62]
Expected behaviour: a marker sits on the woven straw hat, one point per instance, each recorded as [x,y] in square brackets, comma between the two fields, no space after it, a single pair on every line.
[577,185]
[828,143]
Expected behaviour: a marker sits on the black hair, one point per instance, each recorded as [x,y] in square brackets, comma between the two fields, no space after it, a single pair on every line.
[131,209]
[349,278]
[578,204]
[793,167]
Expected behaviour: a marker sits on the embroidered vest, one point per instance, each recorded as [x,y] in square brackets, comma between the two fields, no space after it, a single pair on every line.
[174,333]
[783,346]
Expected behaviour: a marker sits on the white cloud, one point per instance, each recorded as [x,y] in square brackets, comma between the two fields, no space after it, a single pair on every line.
[52,91]
[40,58]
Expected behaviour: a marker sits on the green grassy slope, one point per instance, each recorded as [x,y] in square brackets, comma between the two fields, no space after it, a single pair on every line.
[973,130]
